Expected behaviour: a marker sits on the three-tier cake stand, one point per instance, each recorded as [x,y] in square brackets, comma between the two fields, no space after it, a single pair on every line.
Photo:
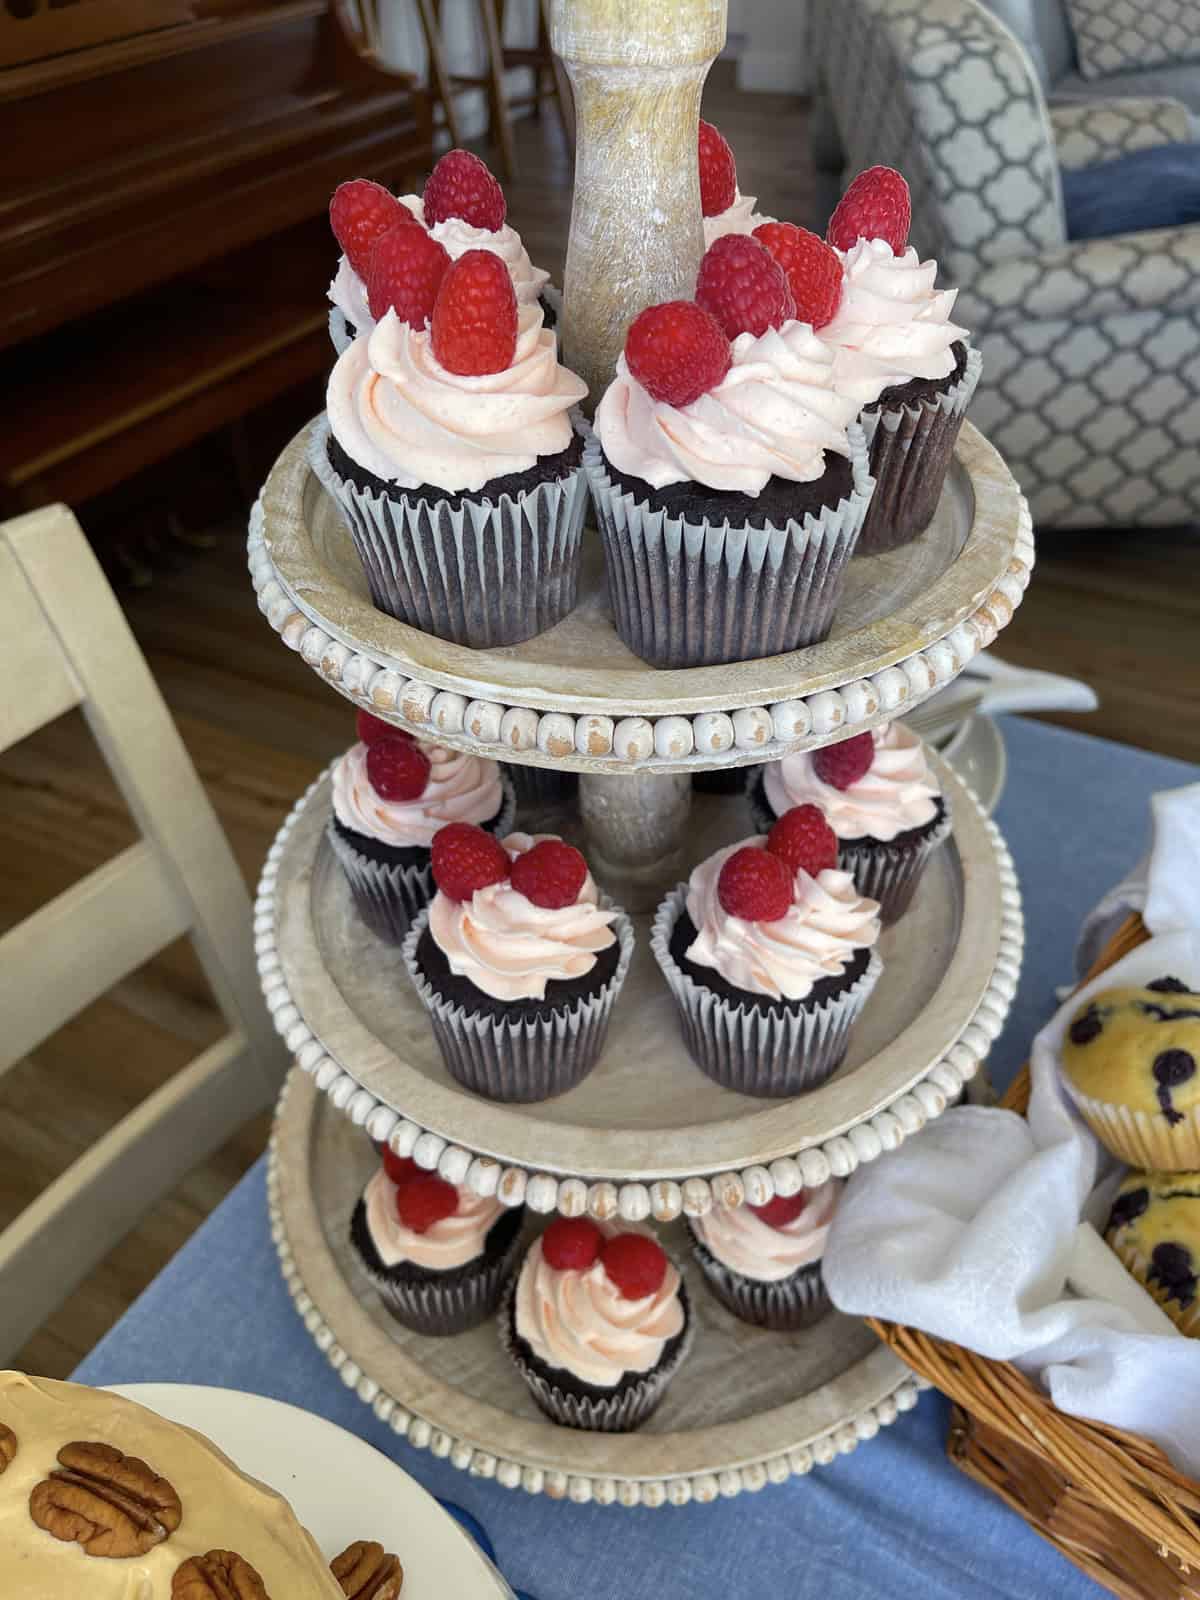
[646,1136]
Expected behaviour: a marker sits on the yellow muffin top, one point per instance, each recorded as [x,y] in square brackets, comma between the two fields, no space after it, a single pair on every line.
[1138,1048]
[1156,1216]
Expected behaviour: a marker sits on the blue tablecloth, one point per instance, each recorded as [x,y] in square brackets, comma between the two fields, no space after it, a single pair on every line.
[892,1518]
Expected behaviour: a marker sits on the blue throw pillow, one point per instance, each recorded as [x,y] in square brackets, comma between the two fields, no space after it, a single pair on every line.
[1158,188]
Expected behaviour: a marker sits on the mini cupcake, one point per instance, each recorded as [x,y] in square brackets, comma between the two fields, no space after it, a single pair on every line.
[1155,1229]
[438,1255]
[391,795]
[518,962]
[768,949]
[597,1324]
[880,797]
[763,1263]
[1129,1062]
[910,369]
[725,208]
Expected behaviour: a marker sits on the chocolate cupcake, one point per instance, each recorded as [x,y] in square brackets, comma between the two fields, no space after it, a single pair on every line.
[763,1263]
[597,1324]
[880,797]
[540,789]
[1155,1230]
[438,1255]
[518,962]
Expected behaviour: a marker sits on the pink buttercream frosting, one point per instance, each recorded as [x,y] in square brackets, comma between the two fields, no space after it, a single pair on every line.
[580,1322]
[774,414]
[892,325]
[817,938]
[450,1242]
[461,788]
[510,948]
[897,792]
[739,217]
[746,1244]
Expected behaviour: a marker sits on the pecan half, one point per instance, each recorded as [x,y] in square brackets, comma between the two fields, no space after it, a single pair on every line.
[219,1575]
[367,1572]
[111,1504]
[8,1445]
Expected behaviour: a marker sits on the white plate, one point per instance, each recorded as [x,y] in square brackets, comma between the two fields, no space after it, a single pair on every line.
[340,1487]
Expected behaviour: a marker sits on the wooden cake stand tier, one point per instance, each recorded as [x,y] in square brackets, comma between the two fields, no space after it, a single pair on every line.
[646,1133]
[747,1407]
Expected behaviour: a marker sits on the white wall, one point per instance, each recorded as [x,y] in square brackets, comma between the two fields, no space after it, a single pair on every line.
[774,55]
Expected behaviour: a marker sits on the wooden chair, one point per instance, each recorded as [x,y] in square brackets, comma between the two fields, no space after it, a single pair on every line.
[65,644]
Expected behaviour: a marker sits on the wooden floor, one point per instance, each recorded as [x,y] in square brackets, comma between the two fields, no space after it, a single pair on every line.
[1122,611]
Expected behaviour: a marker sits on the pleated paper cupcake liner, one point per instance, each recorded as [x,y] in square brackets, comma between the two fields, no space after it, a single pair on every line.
[689,594]
[541,788]
[445,1303]
[482,575]
[523,1059]
[787,1305]
[1185,1318]
[911,450]
[1141,1138]
[341,332]
[771,1054]
[622,1412]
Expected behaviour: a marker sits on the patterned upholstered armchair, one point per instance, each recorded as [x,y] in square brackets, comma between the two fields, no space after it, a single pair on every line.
[1091,371]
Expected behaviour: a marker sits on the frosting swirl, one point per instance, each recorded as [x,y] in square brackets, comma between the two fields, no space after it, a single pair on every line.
[400,414]
[349,294]
[827,923]
[510,948]
[747,1245]
[774,414]
[738,217]
[450,1242]
[461,788]
[892,324]
[897,792]
[580,1322]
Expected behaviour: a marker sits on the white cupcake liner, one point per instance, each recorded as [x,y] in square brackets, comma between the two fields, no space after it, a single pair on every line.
[688,594]
[768,1053]
[527,1059]
[339,330]
[1141,1138]
[911,449]
[786,1305]
[1140,1266]
[485,574]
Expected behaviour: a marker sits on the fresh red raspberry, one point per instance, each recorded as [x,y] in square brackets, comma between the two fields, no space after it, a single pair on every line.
[571,1244]
[803,839]
[811,266]
[424,1200]
[779,1212]
[877,205]
[405,269]
[718,171]
[636,1263]
[370,729]
[399,1168]
[755,885]
[361,212]
[551,873]
[462,186]
[397,769]
[743,286]
[840,765]
[465,858]
[677,352]
[475,317]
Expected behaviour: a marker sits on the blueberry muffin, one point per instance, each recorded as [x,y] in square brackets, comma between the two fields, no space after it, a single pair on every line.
[1155,1229]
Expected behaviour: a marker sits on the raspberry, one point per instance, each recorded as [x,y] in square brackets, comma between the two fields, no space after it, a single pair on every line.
[424,1200]
[371,729]
[475,317]
[405,269]
[398,1168]
[635,1263]
[550,873]
[779,1212]
[397,769]
[572,1244]
[811,266]
[361,212]
[877,205]
[461,186]
[677,352]
[803,840]
[840,765]
[465,858]
[718,172]
[743,286]
[755,885]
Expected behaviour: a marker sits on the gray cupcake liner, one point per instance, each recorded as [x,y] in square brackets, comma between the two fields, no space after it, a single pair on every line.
[785,1306]
[485,574]
[622,1412]
[341,333]
[540,789]
[689,594]
[771,1054]
[521,1061]
[442,1309]
[911,450]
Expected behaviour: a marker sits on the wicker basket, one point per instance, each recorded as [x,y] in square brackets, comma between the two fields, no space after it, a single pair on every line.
[1110,1501]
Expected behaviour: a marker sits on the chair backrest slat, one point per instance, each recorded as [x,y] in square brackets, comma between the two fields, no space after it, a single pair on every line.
[36,684]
